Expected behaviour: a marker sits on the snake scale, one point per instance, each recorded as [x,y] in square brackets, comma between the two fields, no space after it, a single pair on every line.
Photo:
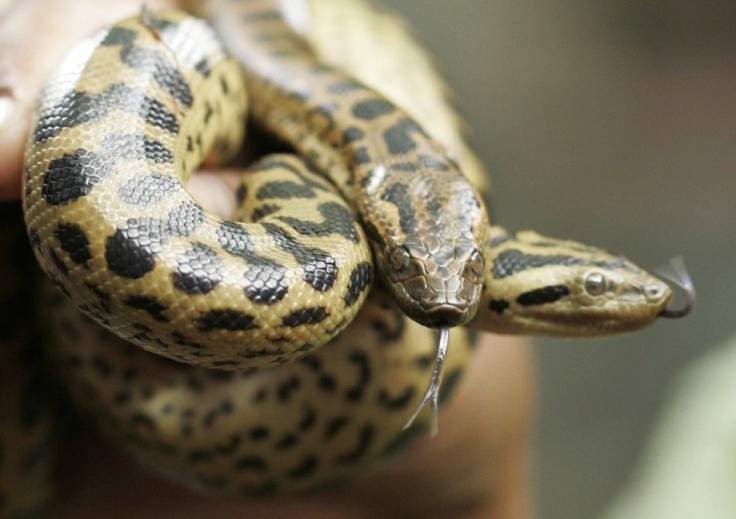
[297,366]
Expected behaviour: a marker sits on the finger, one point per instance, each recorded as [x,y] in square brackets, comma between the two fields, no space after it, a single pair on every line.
[215,191]
[34,35]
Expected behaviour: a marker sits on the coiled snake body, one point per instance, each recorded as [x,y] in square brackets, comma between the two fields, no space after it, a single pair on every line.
[132,112]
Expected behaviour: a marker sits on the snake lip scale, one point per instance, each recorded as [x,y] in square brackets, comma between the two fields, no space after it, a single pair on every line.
[303,328]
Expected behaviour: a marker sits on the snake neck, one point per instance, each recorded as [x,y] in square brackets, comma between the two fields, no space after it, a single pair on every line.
[426,223]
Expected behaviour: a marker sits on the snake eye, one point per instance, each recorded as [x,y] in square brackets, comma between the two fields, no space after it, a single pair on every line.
[399,259]
[595,284]
[477,263]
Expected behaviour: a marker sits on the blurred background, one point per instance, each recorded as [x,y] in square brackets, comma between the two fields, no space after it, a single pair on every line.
[611,123]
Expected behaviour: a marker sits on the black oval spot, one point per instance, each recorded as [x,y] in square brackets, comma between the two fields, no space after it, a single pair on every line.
[74,241]
[231,320]
[302,316]
[72,176]
[131,251]
[372,108]
[149,305]
[543,295]
[199,270]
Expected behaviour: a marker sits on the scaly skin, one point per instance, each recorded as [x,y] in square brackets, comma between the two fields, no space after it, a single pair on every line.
[309,423]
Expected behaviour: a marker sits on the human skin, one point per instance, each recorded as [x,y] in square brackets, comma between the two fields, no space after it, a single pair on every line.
[478,466]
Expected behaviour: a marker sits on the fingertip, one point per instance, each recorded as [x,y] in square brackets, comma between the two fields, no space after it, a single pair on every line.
[13,132]
[214,191]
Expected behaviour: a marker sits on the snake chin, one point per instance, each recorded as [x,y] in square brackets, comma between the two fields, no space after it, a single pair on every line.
[437,308]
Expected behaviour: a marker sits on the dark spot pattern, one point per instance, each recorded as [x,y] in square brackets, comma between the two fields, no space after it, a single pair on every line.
[287,388]
[365,437]
[335,425]
[360,279]
[361,156]
[135,146]
[320,269]
[130,251]
[143,420]
[513,261]
[118,36]
[372,109]
[267,281]
[307,467]
[74,241]
[223,408]
[398,194]
[72,176]
[259,433]
[498,306]
[399,137]
[500,240]
[147,189]
[285,190]
[342,87]
[302,316]
[203,67]
[390,331]
[336,219]
[544,295]
[102,366]
[286,442]
[231,320]
[185,219]
[362,363]
[404,166]
[263,211]
[373,235]
[352,134]
[162,71]
[199,270]
[308,419]
[149,305]
[76,108]
[395,403]
[241,193]
[251,463]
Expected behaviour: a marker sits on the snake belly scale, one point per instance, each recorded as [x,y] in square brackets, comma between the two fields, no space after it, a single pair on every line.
[131,113]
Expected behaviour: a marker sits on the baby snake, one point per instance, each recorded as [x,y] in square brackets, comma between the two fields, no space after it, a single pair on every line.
[131,113]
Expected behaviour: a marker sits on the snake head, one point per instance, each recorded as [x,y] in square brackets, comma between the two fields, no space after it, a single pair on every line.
[431,256]
[435,284]
[541,285]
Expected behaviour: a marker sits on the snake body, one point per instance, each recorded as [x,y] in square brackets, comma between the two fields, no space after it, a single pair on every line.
[131,113]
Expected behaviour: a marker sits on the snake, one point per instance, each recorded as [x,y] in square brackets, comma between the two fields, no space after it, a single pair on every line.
[286,347]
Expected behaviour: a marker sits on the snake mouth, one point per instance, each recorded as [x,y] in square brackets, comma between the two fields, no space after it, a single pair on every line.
[438,308]
[444,316]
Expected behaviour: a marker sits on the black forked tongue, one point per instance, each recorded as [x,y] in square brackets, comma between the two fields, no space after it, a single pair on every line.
[676,272]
